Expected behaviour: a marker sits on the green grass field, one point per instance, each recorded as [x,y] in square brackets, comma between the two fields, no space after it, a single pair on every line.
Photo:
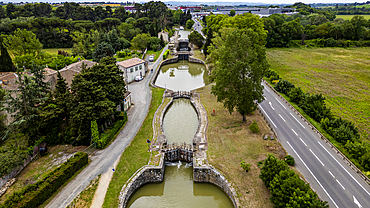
[341,75]
[349,17]
[54,51]
[366,6]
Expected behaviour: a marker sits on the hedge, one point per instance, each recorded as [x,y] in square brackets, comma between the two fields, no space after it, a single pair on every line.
[109,135]
[166,54]
[36,194]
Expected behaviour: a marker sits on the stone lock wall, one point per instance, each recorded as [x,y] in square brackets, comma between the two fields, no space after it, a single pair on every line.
[210,175]
[147,174]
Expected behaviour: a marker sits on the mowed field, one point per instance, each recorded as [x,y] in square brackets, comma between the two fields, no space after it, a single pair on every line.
[341,75]
[349,17]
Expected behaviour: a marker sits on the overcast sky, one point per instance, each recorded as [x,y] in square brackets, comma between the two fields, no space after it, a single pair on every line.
[204,1]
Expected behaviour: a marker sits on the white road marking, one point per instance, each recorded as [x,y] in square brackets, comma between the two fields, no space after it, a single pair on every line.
[356,202]
[340,184]
[297,120]
[282,118]
[294,132]
[331,174]
[268,116]
[313,175]
[267,89]
[317,158]
[280,103]
[303,142]
[344,169]
[271,106]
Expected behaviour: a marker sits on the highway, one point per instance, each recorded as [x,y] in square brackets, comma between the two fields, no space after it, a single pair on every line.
[332,179]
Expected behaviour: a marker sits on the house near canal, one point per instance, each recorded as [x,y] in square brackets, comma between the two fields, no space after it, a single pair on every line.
[132,68]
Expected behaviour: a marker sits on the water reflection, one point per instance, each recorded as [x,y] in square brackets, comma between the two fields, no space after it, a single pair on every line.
[178,190]
[182,76]
[180,122]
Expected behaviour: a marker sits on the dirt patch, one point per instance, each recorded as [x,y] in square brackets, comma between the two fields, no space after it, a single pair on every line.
[43,165]
[230,142]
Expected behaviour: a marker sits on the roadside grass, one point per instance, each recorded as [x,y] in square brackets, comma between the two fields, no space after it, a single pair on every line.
[230,142]
[54,51]
[154,53]
[42,166]
[85,198]
[349,17]
[135,155]
[198,54]
[341,75]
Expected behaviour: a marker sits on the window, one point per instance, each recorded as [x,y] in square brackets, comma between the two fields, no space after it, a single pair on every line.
[135,68]
[141,67]
[132,70]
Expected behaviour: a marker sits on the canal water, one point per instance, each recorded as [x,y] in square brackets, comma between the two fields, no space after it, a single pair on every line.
[180,124]
[182,76]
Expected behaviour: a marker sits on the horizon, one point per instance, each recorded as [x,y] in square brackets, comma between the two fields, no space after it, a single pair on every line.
[210,2]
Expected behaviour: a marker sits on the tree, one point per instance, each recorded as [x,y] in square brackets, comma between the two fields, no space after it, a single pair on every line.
[114,40]
[232,13]
[189,23]
[161,41]
[239,65]
[23,42]
[103,50]
[196,39]
[208,41]
[2,12]
[94,132]
[289,160]
[140,42]
[271,167]
[6,62]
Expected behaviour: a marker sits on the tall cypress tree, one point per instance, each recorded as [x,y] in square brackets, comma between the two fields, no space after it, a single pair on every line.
[5,60]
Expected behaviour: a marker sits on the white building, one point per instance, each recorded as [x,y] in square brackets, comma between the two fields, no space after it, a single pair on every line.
[132,68]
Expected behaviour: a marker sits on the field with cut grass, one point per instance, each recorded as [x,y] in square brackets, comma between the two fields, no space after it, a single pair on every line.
[230,142]
[349,17]
[341,75]
[54,51]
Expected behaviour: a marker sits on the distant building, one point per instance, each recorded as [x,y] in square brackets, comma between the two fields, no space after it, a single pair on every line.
[164,35]
[132,68]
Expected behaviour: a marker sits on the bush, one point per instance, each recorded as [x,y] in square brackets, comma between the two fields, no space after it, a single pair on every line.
[254,127]
[289,160]
[35,194]
[121,54]
[108,136]
[245,166]
[284,86]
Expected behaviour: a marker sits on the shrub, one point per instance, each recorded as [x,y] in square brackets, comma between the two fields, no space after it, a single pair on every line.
[121,54]
[295,94]
[107,136]
[274,81]
[271,167]
[289,160]
[284,86]
[254,127]
[165,54]
[35,194]
[245,166]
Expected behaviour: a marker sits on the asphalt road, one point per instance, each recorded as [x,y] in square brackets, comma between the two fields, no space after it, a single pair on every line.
[198,27]
[104,159]
[327,173]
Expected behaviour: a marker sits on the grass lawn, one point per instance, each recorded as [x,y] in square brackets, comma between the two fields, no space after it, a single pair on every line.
[365,5]
[154,53]
[42,166]
[135,155]
[349,17]
[54,51]
[198,54]
[230,141]
[341,75]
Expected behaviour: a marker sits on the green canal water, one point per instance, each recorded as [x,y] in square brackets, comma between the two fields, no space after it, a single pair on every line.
[180,124]
[182,76]
[179,191]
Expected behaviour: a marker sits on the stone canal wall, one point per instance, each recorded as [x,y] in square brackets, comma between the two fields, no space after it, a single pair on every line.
[146,174]
[209,174]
